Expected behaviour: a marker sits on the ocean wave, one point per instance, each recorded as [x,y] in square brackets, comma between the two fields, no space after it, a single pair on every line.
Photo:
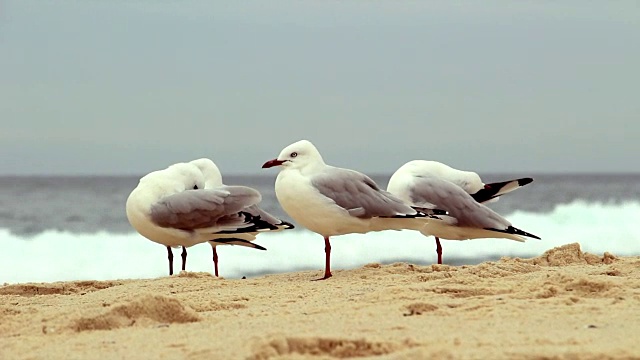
[59,255]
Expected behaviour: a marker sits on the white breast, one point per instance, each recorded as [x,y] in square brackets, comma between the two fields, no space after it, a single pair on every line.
[314,211]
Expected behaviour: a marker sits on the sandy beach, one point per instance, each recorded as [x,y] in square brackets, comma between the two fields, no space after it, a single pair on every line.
[564,304]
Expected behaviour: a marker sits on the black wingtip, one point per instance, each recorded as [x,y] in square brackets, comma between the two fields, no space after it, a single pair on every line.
[494,190]
[230,241]
[256,246]
[515,231]
[524,181]
[257,225]
[287,225]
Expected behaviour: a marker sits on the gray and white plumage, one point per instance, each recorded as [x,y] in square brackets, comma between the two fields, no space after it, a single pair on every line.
[172,207]
[469,181]
[334,201]
[466,218]
[358,194]
[197,210]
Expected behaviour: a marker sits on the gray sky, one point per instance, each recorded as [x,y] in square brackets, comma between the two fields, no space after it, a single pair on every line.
[113,87]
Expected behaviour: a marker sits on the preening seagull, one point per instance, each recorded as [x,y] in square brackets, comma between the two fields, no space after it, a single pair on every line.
[172,207]
[430,185]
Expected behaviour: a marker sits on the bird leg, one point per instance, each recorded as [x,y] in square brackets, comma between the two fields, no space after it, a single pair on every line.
[184,258]
[439,250]
[327,264]
[170,257]
[215,260]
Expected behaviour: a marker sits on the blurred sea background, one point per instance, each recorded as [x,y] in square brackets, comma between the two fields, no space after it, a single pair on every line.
[75,227]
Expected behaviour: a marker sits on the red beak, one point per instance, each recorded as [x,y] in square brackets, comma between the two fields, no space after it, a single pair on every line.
[272,163]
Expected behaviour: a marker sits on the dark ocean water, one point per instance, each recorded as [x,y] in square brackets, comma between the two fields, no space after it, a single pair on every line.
[31,205]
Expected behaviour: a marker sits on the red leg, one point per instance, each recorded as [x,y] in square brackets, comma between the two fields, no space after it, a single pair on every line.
[170,257]
[327,263]
[215,261]
[184,258]
[439,250]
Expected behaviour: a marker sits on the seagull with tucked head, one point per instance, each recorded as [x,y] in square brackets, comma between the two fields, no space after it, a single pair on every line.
[174,207]
[430,184]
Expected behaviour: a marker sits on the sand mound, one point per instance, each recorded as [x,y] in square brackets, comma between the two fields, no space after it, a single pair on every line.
[324,347]
[217,306]
[419,309]
[503,268]
[569,254]
[7,311]
[195,274]
[158,309]
[59,288]
[575,288]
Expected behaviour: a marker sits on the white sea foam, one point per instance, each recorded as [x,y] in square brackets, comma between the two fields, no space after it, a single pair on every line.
[57,256]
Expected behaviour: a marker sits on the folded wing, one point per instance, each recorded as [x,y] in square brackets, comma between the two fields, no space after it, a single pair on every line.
[203,209]
[359,195]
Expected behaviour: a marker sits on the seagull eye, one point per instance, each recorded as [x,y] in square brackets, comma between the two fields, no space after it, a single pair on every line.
[294,154]
[195,187]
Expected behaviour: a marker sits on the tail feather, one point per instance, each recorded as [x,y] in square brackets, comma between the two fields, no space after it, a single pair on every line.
[494,190]
[286,225]
[236,241]
[515,231]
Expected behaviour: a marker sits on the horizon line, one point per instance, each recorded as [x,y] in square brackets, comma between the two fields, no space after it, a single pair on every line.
[546,172]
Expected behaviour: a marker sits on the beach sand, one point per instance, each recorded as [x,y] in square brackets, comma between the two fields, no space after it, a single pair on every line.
[564,304]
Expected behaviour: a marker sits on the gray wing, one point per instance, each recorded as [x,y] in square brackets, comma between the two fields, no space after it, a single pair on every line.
[204,208]
[359,194]
[458,203]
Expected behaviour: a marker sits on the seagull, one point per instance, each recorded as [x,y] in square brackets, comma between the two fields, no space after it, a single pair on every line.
[172,207]
[333,201]
[431,184]
[262,220]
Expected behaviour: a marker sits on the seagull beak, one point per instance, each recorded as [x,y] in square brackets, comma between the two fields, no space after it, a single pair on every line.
[272,163]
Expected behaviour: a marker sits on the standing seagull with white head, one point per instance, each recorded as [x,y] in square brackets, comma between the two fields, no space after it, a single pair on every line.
[173,208]
[334,201]
[431,184]
[262,220]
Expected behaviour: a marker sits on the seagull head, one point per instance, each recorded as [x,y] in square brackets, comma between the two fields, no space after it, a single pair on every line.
[297,155]
[210,171]
[174,179]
